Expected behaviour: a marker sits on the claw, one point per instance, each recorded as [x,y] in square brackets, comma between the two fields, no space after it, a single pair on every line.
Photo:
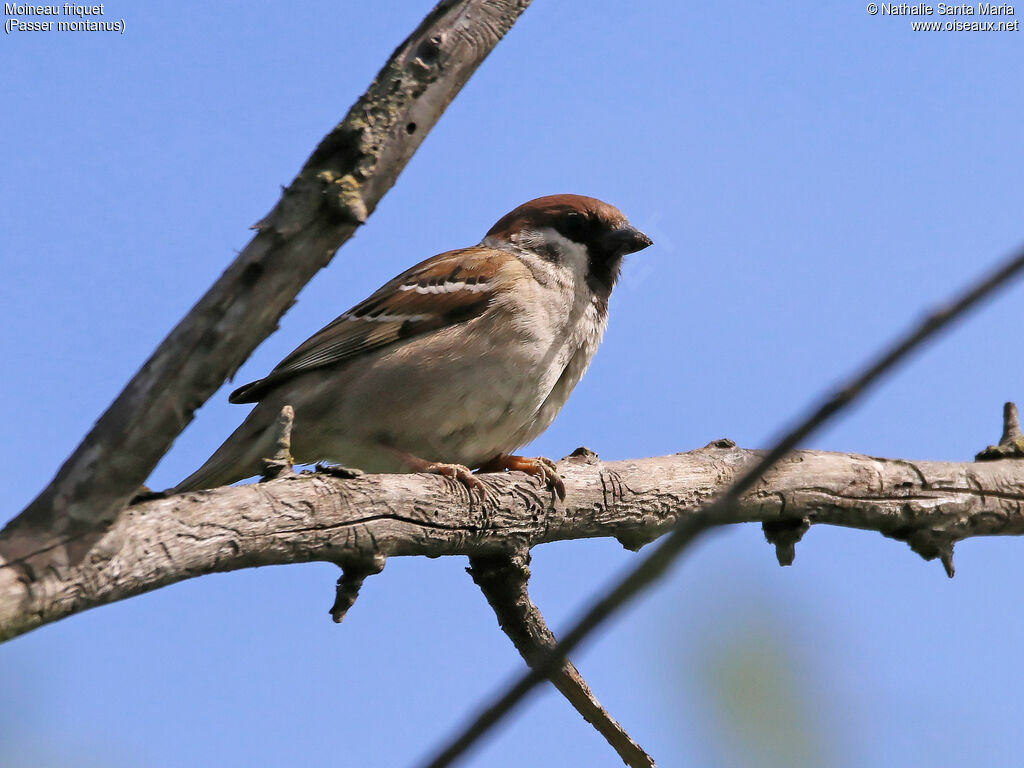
[538,466]
[457,472]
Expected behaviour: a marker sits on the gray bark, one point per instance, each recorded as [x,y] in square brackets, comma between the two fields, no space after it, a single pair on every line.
[930,505]
[504,581]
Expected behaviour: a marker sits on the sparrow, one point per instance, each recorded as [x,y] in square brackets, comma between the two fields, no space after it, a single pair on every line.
[452,365]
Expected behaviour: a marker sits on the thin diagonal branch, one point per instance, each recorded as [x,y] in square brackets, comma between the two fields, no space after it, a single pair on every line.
[503,578]
[657,563]
[340,185]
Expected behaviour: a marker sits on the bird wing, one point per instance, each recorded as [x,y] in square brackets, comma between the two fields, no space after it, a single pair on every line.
[446,289]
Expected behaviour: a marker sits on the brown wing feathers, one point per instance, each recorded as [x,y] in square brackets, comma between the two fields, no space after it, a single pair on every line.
[450,288]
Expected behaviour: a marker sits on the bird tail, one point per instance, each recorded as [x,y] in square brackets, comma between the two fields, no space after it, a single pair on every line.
[240,456]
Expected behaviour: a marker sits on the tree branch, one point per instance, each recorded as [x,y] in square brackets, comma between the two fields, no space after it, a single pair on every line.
[353,574]
[1011,444]
[503,579]
[656,564]
[339,187]
[303,518]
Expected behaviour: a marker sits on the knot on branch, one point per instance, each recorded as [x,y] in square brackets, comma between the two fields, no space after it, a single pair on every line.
[336,470]
[785,534]
[428,53]
[353,574]
[584,455]
[722,442]
[345,197]
[929,544]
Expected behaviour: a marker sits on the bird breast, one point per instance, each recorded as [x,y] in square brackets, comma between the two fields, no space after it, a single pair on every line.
[468,392]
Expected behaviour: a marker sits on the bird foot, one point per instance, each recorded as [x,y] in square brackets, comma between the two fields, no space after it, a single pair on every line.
[457,472]
[538,466]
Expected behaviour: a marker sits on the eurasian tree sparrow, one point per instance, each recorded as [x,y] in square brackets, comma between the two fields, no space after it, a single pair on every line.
[453,364]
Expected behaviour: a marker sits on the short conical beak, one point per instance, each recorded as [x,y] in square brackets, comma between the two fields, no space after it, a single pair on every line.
[628,239]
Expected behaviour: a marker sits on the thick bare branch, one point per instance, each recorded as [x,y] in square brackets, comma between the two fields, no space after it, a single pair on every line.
[504,581]
[930,505]
[340,185]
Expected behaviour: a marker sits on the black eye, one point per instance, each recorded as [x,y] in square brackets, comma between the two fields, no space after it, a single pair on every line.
[576,226]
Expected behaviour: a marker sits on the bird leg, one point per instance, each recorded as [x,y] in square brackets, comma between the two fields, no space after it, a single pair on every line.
[538,466]
[458,472]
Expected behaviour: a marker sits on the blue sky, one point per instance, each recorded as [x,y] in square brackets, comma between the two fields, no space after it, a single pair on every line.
[813,178]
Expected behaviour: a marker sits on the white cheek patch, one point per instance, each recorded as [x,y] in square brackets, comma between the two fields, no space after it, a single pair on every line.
[572,254]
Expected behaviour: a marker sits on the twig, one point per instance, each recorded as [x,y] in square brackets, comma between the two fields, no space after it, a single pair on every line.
[688,529]
[339,187]
[281,462]
[353,574]
[503,578]
[1011,444]
[785,535]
